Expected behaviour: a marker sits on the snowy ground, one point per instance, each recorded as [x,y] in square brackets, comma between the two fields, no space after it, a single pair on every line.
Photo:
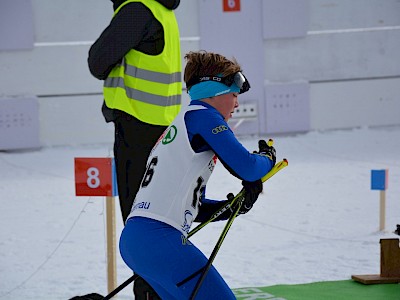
[317,220]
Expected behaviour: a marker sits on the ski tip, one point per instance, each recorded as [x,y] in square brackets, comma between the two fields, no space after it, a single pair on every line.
[286,161]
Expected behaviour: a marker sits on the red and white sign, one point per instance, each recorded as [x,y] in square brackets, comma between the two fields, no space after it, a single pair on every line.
[231,5]
[95,177]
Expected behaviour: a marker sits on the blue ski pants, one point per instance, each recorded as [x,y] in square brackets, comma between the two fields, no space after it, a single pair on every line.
[159,253]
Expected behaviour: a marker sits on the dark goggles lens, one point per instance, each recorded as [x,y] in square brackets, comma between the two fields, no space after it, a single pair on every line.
[242,82]
[239,79]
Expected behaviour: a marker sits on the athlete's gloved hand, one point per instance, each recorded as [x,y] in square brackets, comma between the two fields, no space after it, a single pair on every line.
[267,150]
[252,190]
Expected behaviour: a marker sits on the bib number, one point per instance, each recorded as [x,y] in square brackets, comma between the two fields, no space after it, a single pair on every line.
[149,172]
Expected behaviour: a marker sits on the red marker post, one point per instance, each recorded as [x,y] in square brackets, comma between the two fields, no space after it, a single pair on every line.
[97,177]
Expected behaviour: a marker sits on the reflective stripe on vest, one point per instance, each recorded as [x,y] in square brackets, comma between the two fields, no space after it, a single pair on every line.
[149,87]
[143,96]
[152,77]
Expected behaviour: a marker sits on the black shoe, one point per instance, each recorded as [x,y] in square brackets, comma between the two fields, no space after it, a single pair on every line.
[397,231]
[92,296]
[143,291]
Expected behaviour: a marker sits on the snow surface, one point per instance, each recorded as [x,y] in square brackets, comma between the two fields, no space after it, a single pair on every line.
[317,220]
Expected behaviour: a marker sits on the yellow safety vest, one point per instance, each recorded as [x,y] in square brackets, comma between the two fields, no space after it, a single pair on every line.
[149,87]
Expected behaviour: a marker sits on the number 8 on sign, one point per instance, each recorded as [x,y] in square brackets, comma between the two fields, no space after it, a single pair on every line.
[95,177]
[93,180]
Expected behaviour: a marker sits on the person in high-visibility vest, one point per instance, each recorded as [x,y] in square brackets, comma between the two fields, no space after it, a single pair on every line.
[138,57]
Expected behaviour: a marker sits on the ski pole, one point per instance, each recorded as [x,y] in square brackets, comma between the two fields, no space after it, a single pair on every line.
[240,198]
[216,249]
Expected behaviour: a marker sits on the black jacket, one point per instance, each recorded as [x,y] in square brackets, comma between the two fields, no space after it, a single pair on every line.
[134,27]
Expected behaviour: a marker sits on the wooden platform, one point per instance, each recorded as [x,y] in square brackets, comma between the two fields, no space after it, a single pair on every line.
[390,265]
[375,279]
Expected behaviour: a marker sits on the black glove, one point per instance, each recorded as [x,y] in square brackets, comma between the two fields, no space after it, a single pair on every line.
[266,150]
[251,192]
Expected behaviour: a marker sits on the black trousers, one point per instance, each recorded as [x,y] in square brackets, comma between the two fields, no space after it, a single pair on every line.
[132,145]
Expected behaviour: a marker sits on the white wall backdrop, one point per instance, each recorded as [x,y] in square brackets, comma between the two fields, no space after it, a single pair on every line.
[348,55]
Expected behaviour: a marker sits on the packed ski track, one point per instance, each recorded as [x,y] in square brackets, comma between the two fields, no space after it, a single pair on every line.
[317,219]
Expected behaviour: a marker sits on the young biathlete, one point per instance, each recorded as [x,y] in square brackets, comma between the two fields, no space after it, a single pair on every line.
[172,193]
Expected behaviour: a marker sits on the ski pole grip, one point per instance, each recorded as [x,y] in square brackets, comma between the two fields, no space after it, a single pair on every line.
[275,169]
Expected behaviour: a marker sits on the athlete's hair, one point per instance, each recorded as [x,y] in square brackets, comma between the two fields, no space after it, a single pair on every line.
[203,63]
